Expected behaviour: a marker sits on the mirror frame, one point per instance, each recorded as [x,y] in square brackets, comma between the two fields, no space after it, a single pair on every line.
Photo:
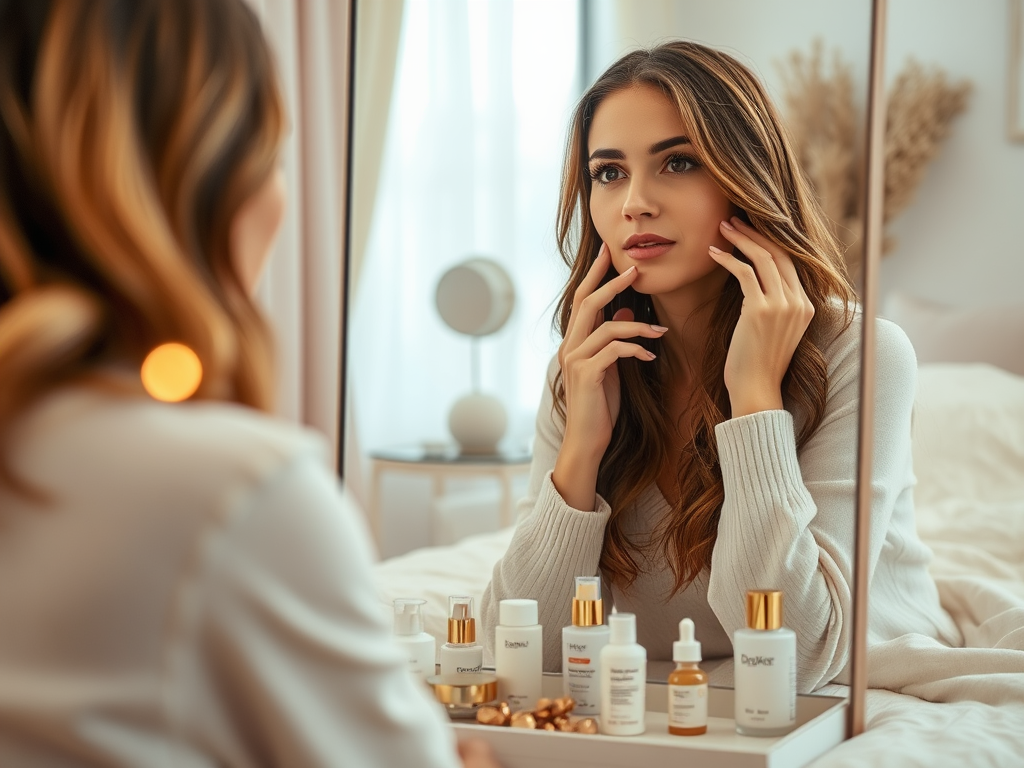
[348,49]
[872,206]
[874,198]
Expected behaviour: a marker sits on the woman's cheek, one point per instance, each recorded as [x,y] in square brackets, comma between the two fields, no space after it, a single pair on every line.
[602,216]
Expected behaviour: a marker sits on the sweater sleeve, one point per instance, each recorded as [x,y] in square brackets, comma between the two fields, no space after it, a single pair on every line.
[787,521]
[282,655]
[553,543]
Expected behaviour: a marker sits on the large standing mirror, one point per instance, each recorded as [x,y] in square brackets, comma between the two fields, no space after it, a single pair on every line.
[460,125]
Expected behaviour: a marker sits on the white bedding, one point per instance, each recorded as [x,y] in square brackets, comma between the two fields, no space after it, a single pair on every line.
[930,705]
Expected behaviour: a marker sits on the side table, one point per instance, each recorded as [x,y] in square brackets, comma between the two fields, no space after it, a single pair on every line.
[441,466]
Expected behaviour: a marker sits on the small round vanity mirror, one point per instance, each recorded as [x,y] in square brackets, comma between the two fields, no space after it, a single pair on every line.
[476,298]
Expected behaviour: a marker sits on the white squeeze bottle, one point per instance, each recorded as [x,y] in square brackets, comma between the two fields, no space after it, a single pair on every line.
[765,657]
[582,642]
[461,654]
[519,654]
[623,679]
[419,647]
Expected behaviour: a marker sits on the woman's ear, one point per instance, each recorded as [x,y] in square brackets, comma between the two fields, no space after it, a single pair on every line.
[742,216]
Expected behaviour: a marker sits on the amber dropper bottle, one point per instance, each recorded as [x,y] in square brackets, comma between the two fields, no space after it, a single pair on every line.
[687,686]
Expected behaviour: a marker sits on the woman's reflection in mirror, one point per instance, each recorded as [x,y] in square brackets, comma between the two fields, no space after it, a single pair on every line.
[699,430]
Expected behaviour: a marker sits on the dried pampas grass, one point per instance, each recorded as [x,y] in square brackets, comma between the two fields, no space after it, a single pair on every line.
[824,126]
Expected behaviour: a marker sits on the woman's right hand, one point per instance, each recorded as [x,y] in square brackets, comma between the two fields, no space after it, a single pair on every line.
[588,357]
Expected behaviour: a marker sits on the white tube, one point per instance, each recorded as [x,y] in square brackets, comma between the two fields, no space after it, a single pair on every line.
[623,679]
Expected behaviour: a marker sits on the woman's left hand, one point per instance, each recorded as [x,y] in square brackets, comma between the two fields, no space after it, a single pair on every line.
[774,317]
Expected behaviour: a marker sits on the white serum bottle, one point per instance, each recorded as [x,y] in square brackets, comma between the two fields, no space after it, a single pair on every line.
[420,647]
[519,654]
[461,654]
[582,642]
[623,679]
[765,668]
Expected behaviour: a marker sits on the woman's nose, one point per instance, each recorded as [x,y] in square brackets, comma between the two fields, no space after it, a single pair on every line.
[639,201]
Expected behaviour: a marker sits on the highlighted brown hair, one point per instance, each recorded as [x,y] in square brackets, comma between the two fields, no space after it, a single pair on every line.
[738,137]
[131,132]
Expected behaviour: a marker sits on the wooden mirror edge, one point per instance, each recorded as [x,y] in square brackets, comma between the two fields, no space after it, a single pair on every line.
[348,99]
[874,197]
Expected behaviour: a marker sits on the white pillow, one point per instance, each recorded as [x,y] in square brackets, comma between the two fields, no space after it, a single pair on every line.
[941,334]
[968,434]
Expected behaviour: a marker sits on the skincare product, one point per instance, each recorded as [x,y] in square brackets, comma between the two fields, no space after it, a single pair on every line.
[518,653]
[464,694]
[623,679]
[419,647]
[582,642]
[765,659]
[687,686]
[461,654]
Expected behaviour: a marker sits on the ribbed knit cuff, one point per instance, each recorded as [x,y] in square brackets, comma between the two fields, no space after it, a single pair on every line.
[573,536]
[760,468]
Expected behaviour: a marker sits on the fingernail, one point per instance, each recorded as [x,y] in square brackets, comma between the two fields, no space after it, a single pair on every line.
[737,221]
[650,355]
[630,271]
[716,251]
[659,328]
[727,225]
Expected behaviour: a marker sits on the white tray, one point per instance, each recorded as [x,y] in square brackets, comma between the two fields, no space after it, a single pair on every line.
[821,725]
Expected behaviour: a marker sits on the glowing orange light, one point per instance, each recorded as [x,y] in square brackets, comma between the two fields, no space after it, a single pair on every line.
[171,372]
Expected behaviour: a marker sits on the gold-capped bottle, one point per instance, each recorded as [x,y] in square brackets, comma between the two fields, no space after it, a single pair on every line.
[582,642]
[461,655]
[765,657]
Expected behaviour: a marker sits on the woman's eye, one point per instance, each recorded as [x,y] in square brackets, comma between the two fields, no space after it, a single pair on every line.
[680,164]
[607,174]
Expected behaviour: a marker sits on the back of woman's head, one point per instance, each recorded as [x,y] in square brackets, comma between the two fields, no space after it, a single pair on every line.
[131,133]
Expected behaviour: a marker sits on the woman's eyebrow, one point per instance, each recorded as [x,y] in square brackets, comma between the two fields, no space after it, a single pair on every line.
[661,146]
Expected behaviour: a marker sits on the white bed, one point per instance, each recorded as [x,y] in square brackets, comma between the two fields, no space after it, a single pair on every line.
[930,705]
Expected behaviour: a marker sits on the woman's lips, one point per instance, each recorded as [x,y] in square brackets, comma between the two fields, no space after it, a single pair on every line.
[648,250]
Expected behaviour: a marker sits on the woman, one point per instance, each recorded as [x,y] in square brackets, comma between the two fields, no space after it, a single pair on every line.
[698,434]
[179,584]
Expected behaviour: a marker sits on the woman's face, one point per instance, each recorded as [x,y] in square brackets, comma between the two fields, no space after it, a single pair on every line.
[651,202]
[254,229]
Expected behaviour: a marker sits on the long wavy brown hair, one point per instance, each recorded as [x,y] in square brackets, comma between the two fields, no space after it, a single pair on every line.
[131,133]
[738,137]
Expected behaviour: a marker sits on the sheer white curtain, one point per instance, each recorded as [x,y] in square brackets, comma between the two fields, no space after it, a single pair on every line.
[471,166]
[301,287]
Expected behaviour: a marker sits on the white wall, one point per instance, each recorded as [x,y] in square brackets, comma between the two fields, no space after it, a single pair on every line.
[955,241]
[760,33]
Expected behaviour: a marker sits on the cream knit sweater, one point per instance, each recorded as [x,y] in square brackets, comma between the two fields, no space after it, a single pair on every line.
[199,594]
[787,522]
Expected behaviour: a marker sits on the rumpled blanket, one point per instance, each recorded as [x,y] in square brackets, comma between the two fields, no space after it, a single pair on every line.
[935,706]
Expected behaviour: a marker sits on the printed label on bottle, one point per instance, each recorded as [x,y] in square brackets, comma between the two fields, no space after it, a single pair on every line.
[688,706]
[581,684]
[469,670]
[624,690]
[766,689]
